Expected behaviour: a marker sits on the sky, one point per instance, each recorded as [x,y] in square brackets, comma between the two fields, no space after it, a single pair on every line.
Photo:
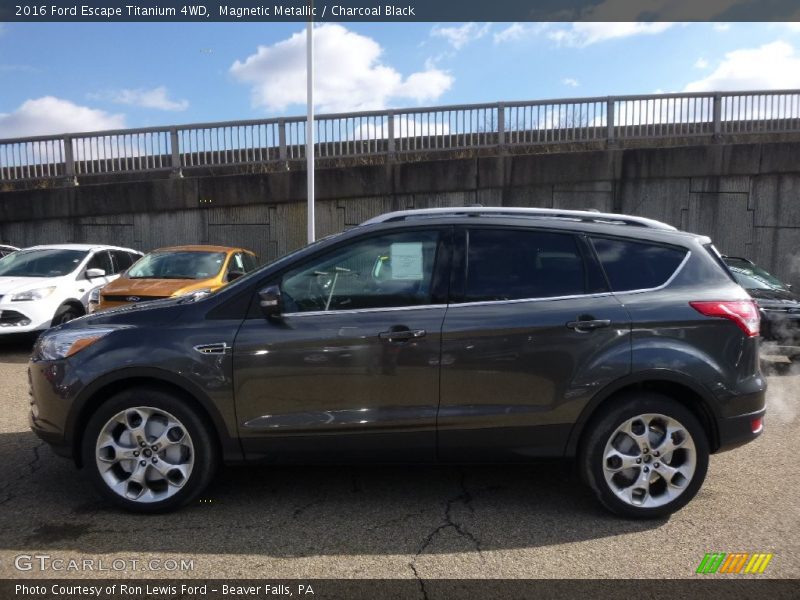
[59,78]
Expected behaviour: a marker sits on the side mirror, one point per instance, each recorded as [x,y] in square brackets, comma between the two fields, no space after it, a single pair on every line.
[95,273]
[270,301]
[234,275]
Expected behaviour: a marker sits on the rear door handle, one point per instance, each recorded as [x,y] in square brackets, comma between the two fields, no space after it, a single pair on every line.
[401,335]
[586,325]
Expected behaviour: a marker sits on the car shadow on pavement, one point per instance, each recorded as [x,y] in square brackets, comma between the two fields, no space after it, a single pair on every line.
[307,511]
[16,348]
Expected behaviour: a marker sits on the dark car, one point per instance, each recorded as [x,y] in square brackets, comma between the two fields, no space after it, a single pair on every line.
[440,335]
[778,304]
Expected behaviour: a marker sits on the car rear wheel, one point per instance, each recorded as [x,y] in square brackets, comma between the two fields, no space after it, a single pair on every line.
[646,456]
[147,451]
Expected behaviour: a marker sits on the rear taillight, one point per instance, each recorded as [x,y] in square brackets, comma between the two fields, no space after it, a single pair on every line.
[756,425]
[742,312]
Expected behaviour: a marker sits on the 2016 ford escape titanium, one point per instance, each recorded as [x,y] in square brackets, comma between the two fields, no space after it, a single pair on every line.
[464,335]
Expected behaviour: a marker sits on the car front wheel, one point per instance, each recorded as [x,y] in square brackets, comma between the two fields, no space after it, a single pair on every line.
[148,451]
[645,457]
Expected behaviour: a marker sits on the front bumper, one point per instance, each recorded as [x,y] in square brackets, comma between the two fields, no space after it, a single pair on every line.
[50,404]
[24,317]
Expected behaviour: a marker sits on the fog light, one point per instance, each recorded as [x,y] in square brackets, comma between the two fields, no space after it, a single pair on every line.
[756,425]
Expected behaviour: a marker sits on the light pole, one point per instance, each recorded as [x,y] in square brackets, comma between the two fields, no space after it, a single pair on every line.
[310,120]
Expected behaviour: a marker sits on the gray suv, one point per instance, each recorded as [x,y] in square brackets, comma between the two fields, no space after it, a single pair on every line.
[439,335]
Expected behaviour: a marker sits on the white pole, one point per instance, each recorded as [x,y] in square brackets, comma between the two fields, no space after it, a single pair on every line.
[310,124]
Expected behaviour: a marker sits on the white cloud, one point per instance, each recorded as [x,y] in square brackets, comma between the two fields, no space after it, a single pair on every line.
[701,63]
[512,33]
[49,115]
[458,37]
[722,27]
[585,33]
[570,82]
[403,127]
[155,98]
[771,66]
[348,74]
[793,26]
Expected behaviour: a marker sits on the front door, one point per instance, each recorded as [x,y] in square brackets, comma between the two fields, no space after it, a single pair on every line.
[350,370]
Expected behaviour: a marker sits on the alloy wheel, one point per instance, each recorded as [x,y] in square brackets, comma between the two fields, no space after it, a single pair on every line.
[144,454]
[649,460]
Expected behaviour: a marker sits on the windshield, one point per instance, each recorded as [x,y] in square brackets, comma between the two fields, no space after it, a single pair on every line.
[178,265]
[752,277]
[41,263]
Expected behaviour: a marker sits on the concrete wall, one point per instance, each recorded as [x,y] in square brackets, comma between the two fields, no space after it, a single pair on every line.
[745,196]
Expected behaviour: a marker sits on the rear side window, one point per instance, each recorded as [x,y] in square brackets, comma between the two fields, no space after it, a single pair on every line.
[637,265]
[513,265]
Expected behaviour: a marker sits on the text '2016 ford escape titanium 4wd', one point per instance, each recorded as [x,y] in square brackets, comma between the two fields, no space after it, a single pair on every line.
[461,335]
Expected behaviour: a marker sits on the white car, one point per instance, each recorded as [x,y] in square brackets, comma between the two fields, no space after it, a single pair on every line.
[6,250]
[44,286]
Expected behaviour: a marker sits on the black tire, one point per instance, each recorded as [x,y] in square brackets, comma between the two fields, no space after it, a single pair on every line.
[599,433]
[63,315]
[204,452]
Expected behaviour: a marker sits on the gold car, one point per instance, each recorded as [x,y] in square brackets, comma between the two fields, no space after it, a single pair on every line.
[175,271]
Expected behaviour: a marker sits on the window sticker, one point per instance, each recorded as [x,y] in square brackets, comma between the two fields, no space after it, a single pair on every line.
[406,260]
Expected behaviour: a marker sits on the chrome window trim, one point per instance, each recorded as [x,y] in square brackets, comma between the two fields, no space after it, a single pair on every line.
[521,300]
[495,302]
[364,310]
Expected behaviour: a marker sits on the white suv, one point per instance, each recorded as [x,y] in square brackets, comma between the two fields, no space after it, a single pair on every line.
[45,286]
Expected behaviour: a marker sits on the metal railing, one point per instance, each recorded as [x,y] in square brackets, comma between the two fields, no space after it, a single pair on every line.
[398,132]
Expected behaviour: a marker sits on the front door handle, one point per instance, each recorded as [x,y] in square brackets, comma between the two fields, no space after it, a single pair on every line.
[401,334]
[586,325]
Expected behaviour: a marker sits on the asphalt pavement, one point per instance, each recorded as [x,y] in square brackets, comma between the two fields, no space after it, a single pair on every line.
[529,521]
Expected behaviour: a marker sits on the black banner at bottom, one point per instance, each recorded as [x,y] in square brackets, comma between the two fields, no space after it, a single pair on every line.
[430,589]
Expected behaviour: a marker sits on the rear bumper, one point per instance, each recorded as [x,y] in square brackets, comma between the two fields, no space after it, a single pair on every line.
[733,432]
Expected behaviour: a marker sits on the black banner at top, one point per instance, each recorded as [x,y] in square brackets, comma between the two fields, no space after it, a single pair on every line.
[397,10]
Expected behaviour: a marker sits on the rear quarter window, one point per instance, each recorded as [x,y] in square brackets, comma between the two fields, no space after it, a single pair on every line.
[637,265]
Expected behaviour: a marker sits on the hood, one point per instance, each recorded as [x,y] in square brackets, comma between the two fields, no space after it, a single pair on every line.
[12,285]
[153,287]
[774,297]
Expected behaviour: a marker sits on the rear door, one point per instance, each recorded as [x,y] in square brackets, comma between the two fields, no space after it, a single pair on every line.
[531,333]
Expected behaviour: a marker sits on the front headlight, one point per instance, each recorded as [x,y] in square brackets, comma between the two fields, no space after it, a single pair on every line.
[61,344]
[37,294]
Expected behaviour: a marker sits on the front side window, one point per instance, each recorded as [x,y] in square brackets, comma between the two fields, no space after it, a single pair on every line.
[250,263]
[637,265]
[122,260]
[41,263]
[178,265]
[511,265]
[394,270]
[101,260]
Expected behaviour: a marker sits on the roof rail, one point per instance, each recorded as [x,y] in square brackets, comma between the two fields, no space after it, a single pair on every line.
[589,216]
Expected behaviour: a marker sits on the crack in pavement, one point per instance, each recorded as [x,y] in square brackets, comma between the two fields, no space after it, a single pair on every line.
[420,581]
[32,466]
[465,497]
